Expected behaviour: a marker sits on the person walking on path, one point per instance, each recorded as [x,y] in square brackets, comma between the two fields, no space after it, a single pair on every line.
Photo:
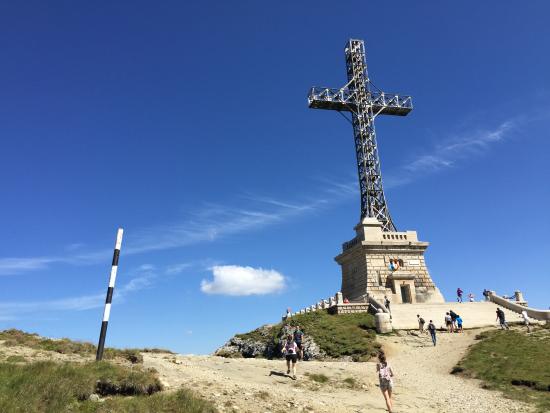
[486,294]
[448,323]
[291,354]
[526,320]
[459,294]
[454,316]
[385,375]
[459,324]
[502,319]
[471,297]
[387,303]
[432,329]
[421,323]
[298,339]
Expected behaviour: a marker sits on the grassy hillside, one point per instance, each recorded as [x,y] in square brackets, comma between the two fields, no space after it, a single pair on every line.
[15,337]
[337,335]
[514,362]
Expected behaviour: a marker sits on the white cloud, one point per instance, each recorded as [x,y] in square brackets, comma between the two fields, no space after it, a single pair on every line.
[235,280]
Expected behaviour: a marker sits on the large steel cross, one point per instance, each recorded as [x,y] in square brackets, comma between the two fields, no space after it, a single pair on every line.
[364,104]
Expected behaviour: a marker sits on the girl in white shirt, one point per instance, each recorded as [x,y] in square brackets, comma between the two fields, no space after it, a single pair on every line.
[290,351]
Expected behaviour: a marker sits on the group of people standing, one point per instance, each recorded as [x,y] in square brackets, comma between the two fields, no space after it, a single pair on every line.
[453,322]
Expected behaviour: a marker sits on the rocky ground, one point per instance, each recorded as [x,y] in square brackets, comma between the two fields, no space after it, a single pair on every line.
[423,382]
[261,344]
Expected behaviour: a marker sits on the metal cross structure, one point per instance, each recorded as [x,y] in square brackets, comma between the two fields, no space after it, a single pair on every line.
[365,104]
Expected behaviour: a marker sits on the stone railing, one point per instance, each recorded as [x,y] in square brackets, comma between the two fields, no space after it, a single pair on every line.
[324,304]
[336,305]
[348,244]
[519,305]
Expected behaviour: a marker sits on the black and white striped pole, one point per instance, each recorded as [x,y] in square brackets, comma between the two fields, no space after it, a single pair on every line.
[109,298]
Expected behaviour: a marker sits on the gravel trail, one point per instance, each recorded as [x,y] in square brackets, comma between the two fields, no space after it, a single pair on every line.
[422,383]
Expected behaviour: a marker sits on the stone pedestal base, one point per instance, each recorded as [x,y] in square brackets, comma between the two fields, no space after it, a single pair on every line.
[383,323]
[386,264]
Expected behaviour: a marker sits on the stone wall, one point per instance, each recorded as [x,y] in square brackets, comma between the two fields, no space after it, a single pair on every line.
[518,307]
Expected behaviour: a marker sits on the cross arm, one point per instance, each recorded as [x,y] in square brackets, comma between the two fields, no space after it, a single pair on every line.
[344,100]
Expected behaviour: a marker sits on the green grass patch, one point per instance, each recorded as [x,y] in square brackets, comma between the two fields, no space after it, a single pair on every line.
[265,333]
[15,337]
[16,359]
[50,386]
[262,394]
[318,378]
[182,401]
[66,387]
[513,362]
[341,335]
[352,335]
[351,383]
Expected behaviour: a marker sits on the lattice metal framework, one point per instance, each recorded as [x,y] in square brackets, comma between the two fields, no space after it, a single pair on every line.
[364,103]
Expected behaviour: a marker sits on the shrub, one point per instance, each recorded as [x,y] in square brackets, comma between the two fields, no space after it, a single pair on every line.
[318,378]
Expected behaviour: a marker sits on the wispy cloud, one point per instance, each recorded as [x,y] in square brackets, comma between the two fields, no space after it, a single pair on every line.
[16,265]
[207,224]
[177,268]
[235,280]
[215,221]
[451,152]
[143,278]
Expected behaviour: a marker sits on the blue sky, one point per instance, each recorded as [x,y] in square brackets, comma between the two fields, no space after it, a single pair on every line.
[187,124]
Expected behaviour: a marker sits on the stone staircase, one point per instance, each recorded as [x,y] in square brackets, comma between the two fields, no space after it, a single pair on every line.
[474,315]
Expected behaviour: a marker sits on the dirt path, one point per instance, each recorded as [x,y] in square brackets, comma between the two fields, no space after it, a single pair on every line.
[423,382]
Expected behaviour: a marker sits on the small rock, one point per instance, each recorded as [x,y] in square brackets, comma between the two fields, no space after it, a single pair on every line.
[94,397]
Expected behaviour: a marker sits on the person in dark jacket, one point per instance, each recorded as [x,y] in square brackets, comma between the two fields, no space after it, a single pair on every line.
[432,330]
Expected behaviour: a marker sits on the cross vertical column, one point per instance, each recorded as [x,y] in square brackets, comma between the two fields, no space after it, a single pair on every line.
[364,104]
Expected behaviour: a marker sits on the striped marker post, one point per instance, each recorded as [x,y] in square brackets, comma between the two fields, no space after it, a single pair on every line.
[109,298]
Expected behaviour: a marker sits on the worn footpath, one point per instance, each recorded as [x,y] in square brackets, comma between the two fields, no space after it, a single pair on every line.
[422,383]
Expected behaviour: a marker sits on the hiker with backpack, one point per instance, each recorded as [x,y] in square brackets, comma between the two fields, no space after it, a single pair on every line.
[298,338]
[290,350]
[421,323]
[432,330]
[502,319]
[385,376]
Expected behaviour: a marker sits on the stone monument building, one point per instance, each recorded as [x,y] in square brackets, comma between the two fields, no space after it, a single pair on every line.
[383,263]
